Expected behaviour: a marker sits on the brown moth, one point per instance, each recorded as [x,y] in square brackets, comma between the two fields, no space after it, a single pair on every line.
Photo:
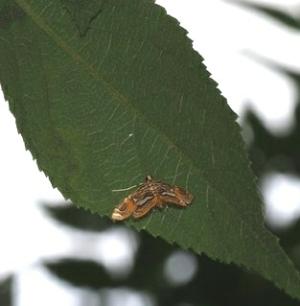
[149,195]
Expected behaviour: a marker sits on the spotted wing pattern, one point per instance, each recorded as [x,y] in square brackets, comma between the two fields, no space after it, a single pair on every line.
[149,195]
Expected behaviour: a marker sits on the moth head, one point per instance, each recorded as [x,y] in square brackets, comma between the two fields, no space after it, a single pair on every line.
[148,178]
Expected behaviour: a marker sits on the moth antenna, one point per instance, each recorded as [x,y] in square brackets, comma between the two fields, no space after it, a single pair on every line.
[124,189]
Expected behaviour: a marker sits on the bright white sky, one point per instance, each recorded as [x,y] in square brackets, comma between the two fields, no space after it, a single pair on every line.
[221,33]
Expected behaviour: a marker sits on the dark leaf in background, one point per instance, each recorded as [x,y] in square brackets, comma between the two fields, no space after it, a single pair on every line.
[233,286]
[77,218]
[147,273]
[82,273]
[270,152]
[6,292]
[276,14]
[220,285]
[149,263]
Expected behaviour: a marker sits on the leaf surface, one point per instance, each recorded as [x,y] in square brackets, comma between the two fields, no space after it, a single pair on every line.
[130,98]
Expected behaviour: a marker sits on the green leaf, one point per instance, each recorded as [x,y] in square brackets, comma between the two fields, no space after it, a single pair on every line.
[132,98]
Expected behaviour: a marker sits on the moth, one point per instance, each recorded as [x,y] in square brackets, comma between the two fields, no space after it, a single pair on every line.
[149,195]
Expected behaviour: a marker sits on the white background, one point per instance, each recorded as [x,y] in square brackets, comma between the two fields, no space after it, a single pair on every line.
[223,34]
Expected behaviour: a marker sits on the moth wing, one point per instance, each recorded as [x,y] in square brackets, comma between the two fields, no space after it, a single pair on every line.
[124,210]
[177,196]
[142,210]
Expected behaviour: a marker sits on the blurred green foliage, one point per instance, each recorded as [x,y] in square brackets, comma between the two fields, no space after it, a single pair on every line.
[276,14]
[214,284]
[6,293]
[270,152]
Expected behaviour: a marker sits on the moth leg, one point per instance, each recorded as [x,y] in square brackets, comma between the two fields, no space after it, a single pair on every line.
[124,210]
[141,211]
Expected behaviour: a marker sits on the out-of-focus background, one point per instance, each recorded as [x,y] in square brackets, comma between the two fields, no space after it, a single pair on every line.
[54,254]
